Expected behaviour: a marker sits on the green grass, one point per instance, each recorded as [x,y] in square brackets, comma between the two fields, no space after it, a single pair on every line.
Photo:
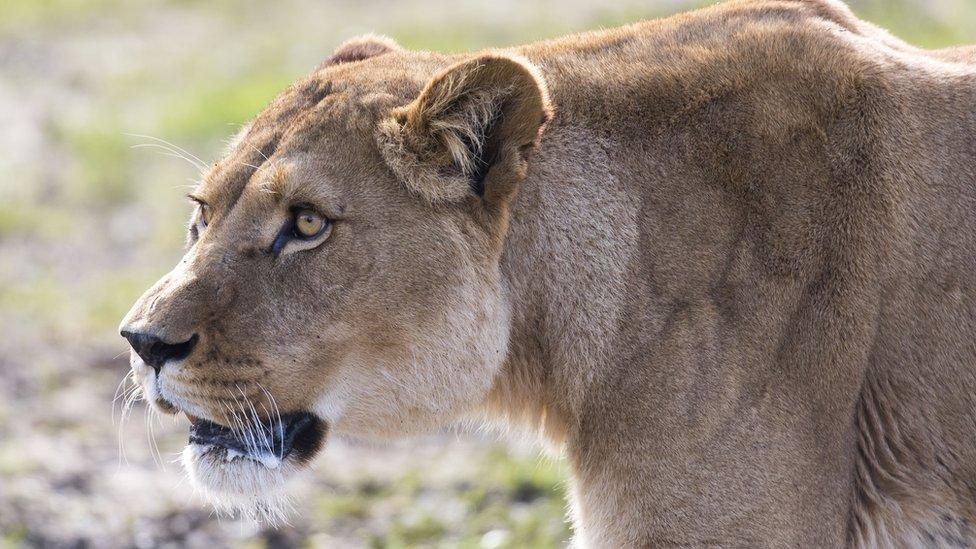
[522,500]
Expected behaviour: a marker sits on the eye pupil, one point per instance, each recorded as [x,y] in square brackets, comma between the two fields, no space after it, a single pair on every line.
[308,223]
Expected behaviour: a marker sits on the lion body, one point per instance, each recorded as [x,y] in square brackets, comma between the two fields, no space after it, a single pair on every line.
[737,286]
[744,263]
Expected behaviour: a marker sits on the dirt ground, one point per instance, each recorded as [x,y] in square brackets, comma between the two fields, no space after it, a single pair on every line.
[92,211]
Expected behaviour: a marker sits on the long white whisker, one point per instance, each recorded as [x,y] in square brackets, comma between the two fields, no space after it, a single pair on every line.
[245,424]
[278,421]
[246,433]
[153,448]
[257,425]
[235,426]
[120,393]
[170,152]
[252,424]
[124,413]
[173,145]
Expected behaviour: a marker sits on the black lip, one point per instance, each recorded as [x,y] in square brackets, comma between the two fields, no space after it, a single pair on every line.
[299,433]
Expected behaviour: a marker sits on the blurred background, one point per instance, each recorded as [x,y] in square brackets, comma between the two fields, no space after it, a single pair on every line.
[91,213]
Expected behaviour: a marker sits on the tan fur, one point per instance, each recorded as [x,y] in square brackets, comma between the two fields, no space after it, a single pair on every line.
[434,144]
[360,48]
[734,280]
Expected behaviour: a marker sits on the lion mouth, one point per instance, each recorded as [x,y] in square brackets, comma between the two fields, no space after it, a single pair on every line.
[270,442]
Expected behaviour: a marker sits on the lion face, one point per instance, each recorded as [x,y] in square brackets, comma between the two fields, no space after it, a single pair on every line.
[341,275]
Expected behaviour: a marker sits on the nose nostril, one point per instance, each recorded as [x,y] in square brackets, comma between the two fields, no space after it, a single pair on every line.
[155,352]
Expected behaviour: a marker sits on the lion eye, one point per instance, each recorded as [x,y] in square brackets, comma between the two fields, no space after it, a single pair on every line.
[308,223]
[206,214]
[305,230]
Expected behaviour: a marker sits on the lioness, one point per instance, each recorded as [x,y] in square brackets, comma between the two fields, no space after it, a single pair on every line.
[726,262]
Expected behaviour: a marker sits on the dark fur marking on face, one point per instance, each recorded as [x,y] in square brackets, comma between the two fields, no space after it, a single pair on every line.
[281,240]
[314,91]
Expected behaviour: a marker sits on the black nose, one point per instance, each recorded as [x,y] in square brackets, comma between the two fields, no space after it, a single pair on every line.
[156,352]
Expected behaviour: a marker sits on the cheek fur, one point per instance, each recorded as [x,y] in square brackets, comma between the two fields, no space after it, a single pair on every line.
[443,372]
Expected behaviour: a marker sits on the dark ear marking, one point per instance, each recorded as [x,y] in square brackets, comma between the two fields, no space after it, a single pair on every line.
[483,156]
[478,176]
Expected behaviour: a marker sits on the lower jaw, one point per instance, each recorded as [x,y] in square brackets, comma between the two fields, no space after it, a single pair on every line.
[242,487]
[221,456]
[293,438]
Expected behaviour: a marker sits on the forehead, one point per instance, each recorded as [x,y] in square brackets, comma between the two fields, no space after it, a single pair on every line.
[323,122]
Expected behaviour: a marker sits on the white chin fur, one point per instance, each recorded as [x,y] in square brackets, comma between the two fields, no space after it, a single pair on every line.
[236,484]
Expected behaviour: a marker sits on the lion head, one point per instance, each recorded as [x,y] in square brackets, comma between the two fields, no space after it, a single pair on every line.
[341,273]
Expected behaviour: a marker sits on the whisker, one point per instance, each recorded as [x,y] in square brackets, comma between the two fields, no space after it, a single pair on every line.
[246,433]
[125,411]
[120,393]
[170,152]
[259,151]
[120,399]
[280,424]
[173,145]
[151,417]
[271,163]
[256,425]
[234,424]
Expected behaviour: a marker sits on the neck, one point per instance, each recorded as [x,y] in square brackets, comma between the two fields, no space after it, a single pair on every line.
[565,303]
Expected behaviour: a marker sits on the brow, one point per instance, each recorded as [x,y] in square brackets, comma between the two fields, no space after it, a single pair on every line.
[277,182]
[292,189]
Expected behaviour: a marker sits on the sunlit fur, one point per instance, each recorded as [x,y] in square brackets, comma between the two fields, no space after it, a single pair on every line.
[240,486]
[722,262]
[406,332]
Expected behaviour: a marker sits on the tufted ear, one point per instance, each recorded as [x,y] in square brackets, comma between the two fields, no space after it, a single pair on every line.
[360,48]
[470,131]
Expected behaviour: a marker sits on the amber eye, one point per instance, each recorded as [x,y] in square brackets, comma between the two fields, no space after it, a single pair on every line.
[308,224]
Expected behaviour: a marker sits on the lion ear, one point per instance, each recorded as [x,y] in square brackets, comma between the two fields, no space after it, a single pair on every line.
[360,48]
[470,131]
